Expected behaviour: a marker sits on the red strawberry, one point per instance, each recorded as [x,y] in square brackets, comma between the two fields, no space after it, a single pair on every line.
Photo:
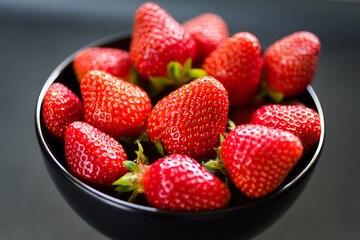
[237,63]
[116,107]
[258,158]
[114,61]
[242,114]
[92,155]
[61,107]
[190,119]
[179,183]
[302,121]
[157,40]
[208,31]
[290,63]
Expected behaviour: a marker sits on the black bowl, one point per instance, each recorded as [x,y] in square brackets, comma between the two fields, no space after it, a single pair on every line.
[118,219]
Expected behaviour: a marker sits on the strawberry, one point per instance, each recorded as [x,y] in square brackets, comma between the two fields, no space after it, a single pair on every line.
[116,107]
[61,107]
[237,64]
[190,119]
[157,40]
[177,183]
[208,31]
[258,158]
[242,114]
[290,63]
[92,155]
[302,121]
[114,61]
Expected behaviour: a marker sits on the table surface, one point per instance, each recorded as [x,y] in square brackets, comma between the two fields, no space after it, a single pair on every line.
[36,37]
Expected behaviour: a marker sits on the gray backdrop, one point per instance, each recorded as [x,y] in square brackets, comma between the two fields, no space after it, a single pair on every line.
[35,36]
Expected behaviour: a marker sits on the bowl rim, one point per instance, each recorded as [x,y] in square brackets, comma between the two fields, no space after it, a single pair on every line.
[125,205]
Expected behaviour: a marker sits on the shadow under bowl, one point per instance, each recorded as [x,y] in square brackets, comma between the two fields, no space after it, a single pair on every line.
[118,219]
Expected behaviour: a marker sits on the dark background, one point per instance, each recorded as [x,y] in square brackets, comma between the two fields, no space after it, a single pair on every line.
[35,36]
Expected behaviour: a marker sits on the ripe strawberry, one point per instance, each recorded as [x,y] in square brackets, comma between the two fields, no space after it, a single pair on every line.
[178,183]
[157,40]
[61,107]
[237,63]
[116,107]
[190,119]
[258,158]
[92,155]
[290,63]
[208,31]
[302,121]
[242,114]
[114,61]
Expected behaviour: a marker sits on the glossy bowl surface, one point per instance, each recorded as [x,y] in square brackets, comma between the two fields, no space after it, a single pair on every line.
[118,219]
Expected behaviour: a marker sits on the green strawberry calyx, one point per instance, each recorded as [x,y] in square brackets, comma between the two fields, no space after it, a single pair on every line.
[265,91]
[131,181]
[160,149]
[230,125]
[216,166]
[178,75]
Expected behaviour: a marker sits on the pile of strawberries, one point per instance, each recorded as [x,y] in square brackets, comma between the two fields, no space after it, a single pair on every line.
[172,94]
